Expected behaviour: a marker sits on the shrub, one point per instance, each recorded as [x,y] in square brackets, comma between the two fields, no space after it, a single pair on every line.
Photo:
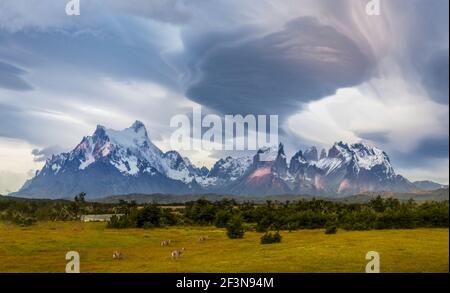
[264,223]
[126,221]
[24,221]
[150,215]
[200,212]
[222,218]
[249,227]
[148,225]
[330,229]
[235,229]
[168,218]
[270,237]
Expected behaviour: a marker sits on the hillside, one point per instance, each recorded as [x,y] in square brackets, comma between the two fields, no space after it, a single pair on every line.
[435,195]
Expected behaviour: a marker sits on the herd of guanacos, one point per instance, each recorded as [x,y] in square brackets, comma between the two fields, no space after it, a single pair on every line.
[175,253]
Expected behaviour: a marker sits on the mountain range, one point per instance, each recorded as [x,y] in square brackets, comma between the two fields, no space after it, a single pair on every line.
[112,162]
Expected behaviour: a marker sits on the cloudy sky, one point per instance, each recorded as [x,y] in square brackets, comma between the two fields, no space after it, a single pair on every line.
[330,71]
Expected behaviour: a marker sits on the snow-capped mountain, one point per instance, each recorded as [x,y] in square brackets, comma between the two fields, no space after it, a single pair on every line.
[268,174]
[346,169]
[131,152]
[111,162]
[115,162]
[230,169]
[349,169]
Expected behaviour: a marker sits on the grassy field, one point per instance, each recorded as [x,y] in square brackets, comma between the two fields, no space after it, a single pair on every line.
[42,248]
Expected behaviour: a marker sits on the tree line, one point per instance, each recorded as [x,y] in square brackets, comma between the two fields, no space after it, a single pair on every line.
[25,212]
[378,213]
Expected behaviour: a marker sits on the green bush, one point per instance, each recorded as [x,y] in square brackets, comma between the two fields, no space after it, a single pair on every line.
[271,237]
[24,221]
[148,225]
[249,227]
[222,218]
[125,221]
[168,218]
[330,229]
[235,229]
[201,212]
[150,215]
[265,223]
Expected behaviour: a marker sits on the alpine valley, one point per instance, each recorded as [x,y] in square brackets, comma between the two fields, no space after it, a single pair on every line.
[112,162]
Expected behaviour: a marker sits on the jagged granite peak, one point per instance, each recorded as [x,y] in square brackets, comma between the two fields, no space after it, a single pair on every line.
[297,161]
[311,154]
[355,157]
[280,166]
[138,125]
[230,168]
[323,154]
[271,153]
[281,150]
[127,149]
[339,150]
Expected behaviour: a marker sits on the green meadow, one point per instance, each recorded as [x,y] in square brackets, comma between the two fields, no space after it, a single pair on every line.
[42,248]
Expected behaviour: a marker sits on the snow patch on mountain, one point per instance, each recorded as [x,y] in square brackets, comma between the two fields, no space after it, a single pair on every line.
[328,164]
[368,157]
[228,170]
[359,155]
[268,154]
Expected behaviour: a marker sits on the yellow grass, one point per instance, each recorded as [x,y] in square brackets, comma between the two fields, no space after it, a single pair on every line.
[42,248]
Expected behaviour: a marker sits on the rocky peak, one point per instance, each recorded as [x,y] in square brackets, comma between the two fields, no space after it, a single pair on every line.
[311,154]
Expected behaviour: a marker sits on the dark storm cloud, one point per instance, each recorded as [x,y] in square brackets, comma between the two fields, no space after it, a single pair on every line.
[274,74]
[426,152]
[10,77]
[113,51]
[433,148]
[15,123]
[34,126]
[9,120]
[426,46]
[71,67]
[436,78]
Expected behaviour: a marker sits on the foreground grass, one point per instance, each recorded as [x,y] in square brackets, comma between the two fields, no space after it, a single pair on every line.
[42,248]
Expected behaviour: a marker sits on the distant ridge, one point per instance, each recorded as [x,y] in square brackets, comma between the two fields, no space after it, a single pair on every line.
[435,195]
[428,185]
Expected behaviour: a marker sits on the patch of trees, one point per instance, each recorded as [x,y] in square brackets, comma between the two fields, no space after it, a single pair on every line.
[25,212]
[379,213]
[235,229]
[271,237]
[149,216]
[273,217]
